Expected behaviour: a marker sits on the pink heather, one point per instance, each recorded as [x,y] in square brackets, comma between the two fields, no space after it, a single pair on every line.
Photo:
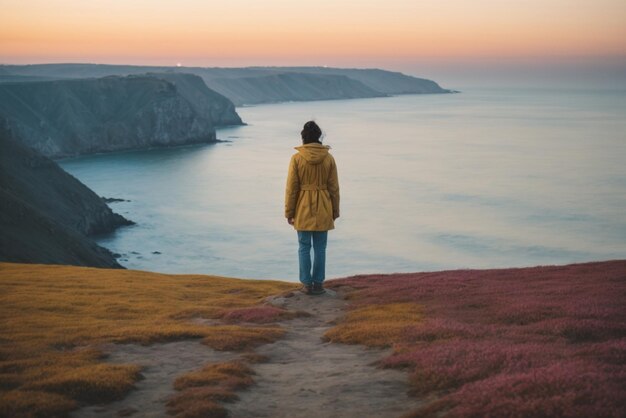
[530,342]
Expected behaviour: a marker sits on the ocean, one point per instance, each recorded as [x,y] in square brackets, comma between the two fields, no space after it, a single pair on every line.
[489,177]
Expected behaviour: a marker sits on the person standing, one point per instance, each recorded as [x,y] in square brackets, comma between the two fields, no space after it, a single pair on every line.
[312,204]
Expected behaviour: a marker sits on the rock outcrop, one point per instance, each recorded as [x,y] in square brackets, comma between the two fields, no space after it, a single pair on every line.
[64,118]
[209,103]
[46,214]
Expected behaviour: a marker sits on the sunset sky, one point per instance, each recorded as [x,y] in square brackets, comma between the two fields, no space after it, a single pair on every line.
[407,35]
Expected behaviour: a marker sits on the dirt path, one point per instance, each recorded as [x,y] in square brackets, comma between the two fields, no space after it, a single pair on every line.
[306,377]
[162,364]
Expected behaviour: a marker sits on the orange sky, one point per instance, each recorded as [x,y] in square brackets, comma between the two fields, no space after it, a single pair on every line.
[292,32]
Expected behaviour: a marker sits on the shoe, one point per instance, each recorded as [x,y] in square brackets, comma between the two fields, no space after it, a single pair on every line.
[307,289]
[317,289]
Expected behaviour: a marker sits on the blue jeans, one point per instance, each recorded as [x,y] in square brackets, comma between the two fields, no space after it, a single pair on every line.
[319,258]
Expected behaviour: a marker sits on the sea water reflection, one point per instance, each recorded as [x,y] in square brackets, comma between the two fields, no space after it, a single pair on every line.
[486,178]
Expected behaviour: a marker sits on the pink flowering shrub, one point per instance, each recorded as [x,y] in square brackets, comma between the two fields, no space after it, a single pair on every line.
[609,352]
[529,342]
[569,388]
[433,329]
[580,329]
[449,365]
[527,312]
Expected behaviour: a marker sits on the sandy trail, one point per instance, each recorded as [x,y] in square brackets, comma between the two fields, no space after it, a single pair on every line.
[303,377]
[307,377]
[162,364]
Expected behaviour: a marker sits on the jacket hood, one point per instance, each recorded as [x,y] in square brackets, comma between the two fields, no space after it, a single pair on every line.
[314,153]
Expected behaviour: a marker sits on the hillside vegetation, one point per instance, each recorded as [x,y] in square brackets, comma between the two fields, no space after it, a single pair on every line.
[528,342]
[52,319]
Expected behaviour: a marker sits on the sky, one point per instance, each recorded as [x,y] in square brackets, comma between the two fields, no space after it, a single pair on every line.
[434,38]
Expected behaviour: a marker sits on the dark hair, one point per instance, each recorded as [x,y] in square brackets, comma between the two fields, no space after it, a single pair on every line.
[311,133]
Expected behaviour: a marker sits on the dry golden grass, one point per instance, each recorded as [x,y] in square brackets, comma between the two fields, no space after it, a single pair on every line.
[52,316]
[234,337]
[200,392]
[375,325]
[30,404]
[230,375]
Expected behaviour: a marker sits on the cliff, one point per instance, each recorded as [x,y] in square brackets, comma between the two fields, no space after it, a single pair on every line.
[261,84]
[290,87]
[387,82]
[209,103]
[45,213]
[63,118]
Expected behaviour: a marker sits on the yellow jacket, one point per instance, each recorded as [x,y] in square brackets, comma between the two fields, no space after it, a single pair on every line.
[312,192]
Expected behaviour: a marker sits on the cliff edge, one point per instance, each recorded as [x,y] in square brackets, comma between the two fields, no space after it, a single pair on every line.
[255,85]
[46,214]
[63,118]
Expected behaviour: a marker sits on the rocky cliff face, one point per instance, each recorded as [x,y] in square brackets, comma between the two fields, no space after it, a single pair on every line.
[290,87]
[29,236]
[209,103]
[387,82]
[261,84]
[63,118]
[45,213]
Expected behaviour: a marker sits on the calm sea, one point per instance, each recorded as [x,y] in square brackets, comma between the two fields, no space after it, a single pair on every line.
[485,178]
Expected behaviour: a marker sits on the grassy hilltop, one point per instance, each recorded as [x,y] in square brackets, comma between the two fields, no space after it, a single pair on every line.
[53,317]
[541,341]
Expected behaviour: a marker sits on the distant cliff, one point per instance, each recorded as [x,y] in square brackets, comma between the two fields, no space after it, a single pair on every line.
[260,84]
[72,117]
[206,102]
[290,87]
[387,82]
[45,213]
